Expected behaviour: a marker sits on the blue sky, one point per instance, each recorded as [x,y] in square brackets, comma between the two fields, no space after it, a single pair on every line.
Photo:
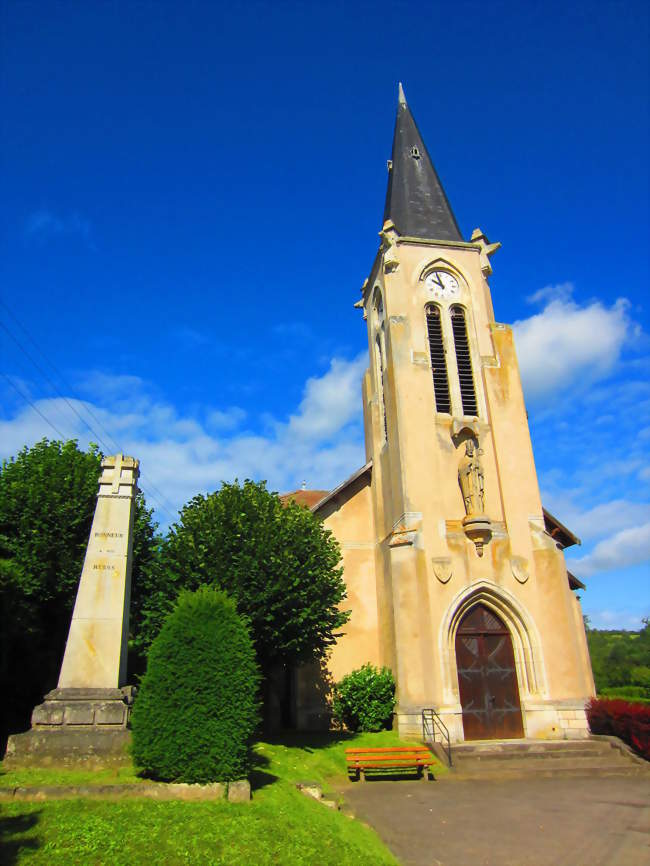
[153,155]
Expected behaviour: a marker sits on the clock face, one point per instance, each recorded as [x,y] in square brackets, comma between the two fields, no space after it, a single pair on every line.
[442,284]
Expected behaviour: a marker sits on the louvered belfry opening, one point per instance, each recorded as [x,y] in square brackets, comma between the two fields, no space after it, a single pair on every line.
[438,364]
[463,361]
[380,383]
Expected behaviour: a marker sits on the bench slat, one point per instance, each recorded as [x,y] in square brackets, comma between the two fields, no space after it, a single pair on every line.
[389,751]
[396,758]
[387,764]
[357,758]
[403,757]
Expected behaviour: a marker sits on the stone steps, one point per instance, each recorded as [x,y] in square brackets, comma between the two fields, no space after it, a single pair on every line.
[517,759]
[554,755]
[532,762]
[558,762]
[485,746]
[546,772]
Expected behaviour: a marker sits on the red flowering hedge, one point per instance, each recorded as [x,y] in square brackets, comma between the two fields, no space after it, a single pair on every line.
[630,722]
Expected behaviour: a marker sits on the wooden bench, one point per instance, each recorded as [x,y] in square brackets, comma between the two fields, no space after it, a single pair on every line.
[400,759]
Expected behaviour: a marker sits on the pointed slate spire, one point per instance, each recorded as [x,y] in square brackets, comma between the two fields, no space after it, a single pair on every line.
[415,199]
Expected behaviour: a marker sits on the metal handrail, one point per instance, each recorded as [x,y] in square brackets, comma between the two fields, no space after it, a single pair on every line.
[431,722]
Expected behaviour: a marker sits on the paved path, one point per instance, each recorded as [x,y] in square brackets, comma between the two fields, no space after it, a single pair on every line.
[527,822]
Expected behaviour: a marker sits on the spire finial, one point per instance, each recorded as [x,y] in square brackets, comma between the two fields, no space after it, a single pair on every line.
[400,94]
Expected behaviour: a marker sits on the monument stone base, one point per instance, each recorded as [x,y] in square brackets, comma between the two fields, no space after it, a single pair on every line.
[76,726]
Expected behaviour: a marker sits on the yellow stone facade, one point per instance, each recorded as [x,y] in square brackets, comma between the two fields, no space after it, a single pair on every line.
[455,574]
[410,567]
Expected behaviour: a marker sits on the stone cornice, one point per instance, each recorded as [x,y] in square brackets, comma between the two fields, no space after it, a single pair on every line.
[430,242]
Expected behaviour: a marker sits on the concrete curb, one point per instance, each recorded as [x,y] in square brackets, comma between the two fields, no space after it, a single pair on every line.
[235,792]
[315,791]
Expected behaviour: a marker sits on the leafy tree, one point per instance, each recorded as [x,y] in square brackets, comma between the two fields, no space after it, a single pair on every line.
[47,502]
[148,547]
[621,661]
[197,709]
[279,563]
[640,676]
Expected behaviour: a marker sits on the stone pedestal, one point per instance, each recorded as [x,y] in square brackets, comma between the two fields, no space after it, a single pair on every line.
[76,725]
[86,715]
[478,528]
[84,709]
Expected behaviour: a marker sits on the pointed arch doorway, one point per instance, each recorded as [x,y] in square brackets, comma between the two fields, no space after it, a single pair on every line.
[487,677]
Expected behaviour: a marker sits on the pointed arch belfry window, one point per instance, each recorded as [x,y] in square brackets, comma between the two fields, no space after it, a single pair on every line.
[463,361]
[379,354]
[380,362]
[438,362]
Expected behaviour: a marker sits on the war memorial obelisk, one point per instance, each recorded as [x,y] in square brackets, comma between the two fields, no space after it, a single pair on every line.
[85,716]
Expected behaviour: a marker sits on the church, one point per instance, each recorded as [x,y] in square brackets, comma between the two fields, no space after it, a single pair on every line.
[455,573]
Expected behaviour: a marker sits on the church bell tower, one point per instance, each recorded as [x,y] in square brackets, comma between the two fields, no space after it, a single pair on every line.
[475,613]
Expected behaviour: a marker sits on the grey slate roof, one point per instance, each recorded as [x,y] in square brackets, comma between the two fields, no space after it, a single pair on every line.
[415,199]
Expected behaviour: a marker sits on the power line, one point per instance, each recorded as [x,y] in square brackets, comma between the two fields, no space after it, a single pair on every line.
[160,499]
[149,484]
[54,386]
[34,407]
[63,437]
[116,445]
[56,370]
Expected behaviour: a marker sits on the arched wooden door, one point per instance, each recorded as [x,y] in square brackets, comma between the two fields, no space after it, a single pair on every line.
[487,678]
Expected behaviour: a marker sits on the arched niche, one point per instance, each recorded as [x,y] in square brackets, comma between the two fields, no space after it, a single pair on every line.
[427,266]
[526,643]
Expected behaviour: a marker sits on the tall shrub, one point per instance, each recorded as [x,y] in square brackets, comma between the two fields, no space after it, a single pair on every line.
[364,700]
[630,722]
[197,707]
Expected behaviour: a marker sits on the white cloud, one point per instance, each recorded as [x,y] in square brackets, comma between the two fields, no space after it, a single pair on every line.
[44,223]
[107,386]
[604,518]
[185,454]
[227,419]
[297,331]
[625,548]
[615,619]
[190,338]
[567,343]
[331,401]
[558,292]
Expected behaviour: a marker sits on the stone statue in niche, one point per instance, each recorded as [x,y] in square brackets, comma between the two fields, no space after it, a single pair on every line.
[472,479]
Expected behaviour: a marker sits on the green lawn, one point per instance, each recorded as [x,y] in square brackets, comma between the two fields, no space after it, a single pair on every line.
[47,776]
[280,825]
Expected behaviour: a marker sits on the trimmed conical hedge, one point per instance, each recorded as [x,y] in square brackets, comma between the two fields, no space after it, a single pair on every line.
[197,706]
